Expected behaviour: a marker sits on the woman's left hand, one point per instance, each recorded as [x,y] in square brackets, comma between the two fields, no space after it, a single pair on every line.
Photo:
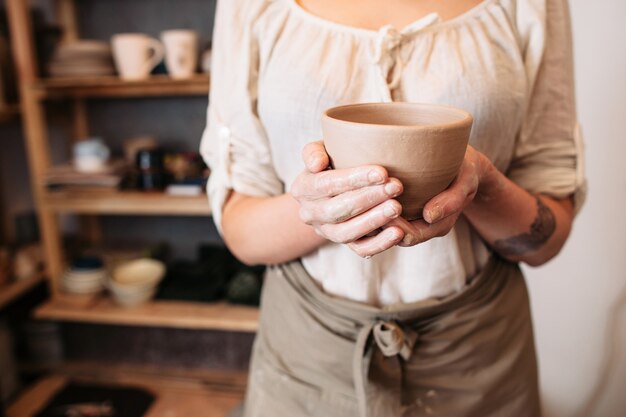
[442,211]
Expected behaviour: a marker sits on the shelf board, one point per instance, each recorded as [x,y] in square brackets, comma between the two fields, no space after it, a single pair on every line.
[14,290]
[229,380]
[157,313]
[113,86]
[9,113]
[174,397]
[124,202]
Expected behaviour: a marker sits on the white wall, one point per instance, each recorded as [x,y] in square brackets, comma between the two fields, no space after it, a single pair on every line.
[579,299]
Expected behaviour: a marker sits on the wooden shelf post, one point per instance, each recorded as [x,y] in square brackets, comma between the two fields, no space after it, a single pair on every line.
[66,14]
[36,135]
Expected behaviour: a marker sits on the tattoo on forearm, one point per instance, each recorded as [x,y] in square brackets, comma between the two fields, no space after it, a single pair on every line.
[540,231]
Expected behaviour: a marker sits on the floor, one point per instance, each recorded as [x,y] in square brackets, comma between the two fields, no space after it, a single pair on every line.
[177,396]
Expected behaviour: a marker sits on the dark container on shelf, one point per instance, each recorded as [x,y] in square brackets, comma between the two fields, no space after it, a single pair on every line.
[152,175]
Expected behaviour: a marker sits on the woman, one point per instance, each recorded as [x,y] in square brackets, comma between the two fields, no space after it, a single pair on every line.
[364,313]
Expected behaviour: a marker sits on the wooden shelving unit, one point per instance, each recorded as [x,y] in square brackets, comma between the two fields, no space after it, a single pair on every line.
[14,290]
[125,202]
[178,314]
[158,85]
[34,93]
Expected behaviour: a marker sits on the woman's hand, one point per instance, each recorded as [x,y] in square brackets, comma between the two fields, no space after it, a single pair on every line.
[348,205]
[442,211]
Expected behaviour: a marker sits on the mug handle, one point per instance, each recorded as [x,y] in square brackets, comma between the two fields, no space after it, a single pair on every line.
[158,53]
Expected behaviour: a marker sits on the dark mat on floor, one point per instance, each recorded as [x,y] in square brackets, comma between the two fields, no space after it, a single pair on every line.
[81,399]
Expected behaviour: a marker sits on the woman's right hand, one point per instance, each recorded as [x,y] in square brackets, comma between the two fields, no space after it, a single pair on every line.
[348,205]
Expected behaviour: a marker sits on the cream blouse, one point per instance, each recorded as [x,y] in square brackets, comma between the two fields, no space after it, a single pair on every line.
[276,68]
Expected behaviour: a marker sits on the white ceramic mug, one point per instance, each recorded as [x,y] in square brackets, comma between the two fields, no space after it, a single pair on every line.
[181,52]
[136,55]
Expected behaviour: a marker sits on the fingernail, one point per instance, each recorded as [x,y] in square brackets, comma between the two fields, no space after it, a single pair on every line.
[392,189]
[435,214]
[408,239]
[374,177]
[390,211]
[316,160]
[393,234]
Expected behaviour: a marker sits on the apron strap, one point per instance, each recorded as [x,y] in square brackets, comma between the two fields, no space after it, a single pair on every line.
[360,367]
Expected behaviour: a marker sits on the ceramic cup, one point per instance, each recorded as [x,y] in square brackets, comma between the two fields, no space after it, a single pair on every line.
[423,145]
[181,52]
[151,168]
[91,155]
[136,55]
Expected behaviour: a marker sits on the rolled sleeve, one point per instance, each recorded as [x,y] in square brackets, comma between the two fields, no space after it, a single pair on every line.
[549,153]
[234,143]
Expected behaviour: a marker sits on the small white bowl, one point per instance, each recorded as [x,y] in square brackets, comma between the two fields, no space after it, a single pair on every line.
[131,300]
[139,272]
[135,282]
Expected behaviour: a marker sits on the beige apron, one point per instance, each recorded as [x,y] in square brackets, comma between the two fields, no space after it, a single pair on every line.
[468,355]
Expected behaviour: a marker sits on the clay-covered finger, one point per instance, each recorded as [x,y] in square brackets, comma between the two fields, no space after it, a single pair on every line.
[334,182]
[350,204]
[315,157]
[454,199]
[373,245]
[361,225]
[419,231]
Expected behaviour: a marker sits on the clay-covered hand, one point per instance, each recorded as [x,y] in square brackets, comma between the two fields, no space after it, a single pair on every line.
[442,211]
[348,205]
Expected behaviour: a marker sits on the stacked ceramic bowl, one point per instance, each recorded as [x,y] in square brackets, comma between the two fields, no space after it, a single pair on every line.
[85,58]
[85,276]
[135,282]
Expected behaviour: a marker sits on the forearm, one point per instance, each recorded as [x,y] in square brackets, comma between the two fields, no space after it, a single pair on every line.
[266,230]
[518,225]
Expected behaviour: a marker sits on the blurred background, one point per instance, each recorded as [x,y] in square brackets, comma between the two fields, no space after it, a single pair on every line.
[579,299]
[106,139]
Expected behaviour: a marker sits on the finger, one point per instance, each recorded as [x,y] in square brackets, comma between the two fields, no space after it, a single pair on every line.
[412,233]
[420,231]
[455,198]
[337,181]
[359,226]
[349,204]
[315,157]
[370,246]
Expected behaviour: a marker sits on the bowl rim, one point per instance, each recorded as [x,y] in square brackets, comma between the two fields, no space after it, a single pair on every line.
[156,266]
[465,120]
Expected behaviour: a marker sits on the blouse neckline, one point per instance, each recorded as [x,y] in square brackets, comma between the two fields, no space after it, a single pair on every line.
[470,13]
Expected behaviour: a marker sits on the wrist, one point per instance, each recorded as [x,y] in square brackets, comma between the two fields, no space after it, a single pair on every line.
[492,182]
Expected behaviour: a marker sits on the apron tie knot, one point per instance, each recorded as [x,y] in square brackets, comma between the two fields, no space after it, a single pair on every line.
[392,340]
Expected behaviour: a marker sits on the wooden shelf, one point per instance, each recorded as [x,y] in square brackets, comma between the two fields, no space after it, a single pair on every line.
[9,113]
[113,86]
[13,291]
[124,202]
[175,397]
[178,314]
[215,379]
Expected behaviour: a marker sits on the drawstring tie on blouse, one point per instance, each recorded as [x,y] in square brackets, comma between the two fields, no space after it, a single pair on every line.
[388,53]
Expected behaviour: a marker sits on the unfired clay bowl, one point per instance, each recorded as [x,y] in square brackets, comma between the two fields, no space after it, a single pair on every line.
[423,145]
